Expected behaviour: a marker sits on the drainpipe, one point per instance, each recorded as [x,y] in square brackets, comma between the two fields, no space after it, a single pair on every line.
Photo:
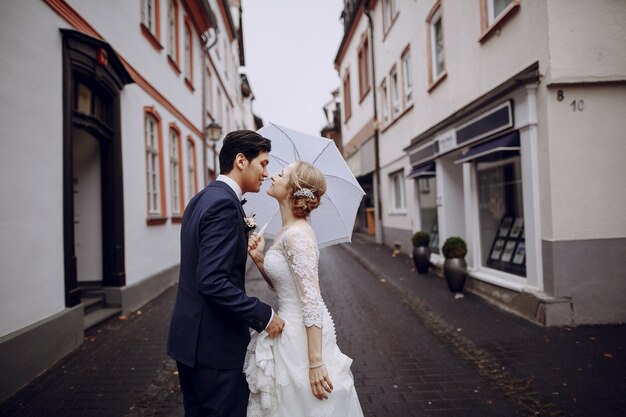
[379,205]
[205,122]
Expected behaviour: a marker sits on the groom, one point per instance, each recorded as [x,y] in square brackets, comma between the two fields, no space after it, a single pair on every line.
[209,333]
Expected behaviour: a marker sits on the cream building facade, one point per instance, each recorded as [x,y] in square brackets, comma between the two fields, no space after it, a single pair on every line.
[498,121]
[104,108]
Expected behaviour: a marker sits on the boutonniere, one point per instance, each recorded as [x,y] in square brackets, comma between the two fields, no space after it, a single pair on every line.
[249,224]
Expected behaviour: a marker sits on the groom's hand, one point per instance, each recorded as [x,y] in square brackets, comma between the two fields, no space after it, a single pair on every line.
[276,326]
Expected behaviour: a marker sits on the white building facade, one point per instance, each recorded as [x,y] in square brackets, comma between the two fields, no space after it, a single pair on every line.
[106,103]
[501,122]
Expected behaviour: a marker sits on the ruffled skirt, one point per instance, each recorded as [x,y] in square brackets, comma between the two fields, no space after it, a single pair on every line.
[278,374]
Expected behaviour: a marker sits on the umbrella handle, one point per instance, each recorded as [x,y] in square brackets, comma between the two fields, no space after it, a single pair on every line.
[263,228]
[267,224]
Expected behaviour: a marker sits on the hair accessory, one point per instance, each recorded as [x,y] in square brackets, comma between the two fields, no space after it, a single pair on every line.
[304,192]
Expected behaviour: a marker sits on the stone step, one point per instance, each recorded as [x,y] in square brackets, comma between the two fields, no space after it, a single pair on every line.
[92,302]
[100,315]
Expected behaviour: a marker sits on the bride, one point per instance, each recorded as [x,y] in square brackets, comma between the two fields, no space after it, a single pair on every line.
[301,372]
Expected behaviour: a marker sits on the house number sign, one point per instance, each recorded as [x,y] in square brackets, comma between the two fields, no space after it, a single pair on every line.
[576,105]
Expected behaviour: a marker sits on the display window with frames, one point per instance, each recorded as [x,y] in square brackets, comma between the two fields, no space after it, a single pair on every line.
[501,212]
[427,199]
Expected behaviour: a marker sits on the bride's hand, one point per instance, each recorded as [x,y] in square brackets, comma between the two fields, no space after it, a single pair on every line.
[320,382]
[256,244]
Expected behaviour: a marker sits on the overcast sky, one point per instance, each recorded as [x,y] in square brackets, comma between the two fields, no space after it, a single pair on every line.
[290,48]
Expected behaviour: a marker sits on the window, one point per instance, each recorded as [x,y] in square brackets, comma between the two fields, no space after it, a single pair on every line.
[192,183]
[154,166]
[395,97]
[150,22]
[427,195]
[209,92]
[364,74]
[220,117]
[149,15]
[176,186]
[390,10]
[347,103]
[493,12]
[172,31]
[397,192]
[227,121]
[407,84]
[436,68]
[495,7]
[188,55]
[91,102]
[501,213]
[384,102]
[227,58]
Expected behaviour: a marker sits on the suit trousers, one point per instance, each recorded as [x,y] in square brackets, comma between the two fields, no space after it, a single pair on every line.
[209,392]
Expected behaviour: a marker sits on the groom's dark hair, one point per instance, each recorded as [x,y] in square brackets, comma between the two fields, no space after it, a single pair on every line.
[247,142]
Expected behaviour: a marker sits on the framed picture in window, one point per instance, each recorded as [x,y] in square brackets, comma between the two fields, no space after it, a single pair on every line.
[497,249]
[520,253]
[518,227]
[505,226]
[509,248]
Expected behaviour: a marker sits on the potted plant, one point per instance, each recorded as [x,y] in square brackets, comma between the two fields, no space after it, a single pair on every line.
[454,267]
[421,251]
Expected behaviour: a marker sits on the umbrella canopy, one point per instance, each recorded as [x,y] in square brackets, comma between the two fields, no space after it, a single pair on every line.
[333,220]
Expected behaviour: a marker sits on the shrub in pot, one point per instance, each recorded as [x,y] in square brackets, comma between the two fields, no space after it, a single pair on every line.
[454,250]
[421,251]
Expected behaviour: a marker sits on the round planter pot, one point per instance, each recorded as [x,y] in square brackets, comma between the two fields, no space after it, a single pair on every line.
[455,272]
[421,259]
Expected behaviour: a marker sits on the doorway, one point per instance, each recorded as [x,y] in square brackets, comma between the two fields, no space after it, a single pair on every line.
[93,210]
[88,211]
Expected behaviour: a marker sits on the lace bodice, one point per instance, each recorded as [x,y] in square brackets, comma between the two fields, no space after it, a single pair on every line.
[292,265]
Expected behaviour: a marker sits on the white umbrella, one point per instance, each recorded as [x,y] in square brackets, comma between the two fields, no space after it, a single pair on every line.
[333,220]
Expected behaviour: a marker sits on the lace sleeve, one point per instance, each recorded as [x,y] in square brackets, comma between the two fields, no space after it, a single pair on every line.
[302,256]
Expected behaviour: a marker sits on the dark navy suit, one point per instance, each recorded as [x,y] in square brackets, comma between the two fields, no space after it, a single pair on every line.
[209,330]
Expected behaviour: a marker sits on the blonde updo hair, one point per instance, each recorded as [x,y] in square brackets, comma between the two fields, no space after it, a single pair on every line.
[304,175]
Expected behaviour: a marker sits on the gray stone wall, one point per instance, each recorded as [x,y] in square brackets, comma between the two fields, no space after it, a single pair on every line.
[590,272]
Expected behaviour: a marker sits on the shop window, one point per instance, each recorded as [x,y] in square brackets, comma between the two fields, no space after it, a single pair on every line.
[427,198]
[501,213]
[398,202]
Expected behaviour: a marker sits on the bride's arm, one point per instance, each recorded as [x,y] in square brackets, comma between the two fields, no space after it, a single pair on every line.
[256,245]
[303,257]
[318,375]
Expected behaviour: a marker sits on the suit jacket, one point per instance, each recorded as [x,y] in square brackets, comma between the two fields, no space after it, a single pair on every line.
[212,314]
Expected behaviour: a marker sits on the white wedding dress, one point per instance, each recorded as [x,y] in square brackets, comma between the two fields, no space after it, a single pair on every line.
[277,369]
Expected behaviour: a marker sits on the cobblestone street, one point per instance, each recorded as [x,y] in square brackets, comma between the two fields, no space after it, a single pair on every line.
[416,350]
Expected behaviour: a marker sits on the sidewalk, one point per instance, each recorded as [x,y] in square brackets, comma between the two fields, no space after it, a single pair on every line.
[577,371]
